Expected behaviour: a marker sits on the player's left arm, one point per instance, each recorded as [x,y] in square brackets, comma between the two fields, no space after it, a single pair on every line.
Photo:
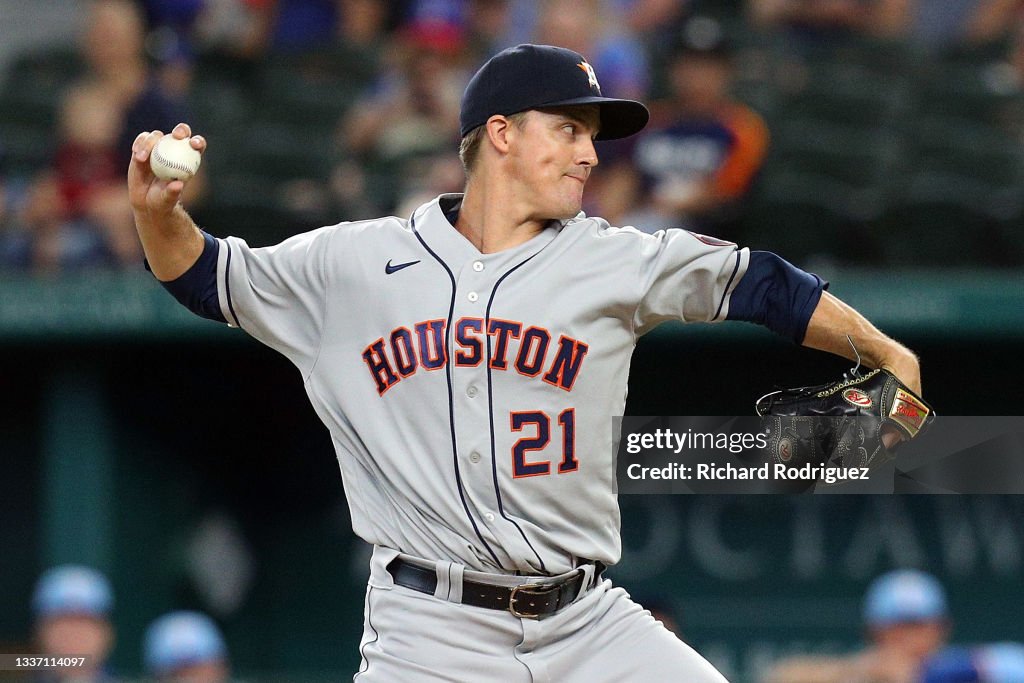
[833,321]
[793,303]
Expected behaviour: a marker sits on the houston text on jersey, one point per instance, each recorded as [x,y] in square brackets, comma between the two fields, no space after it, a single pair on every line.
[529,350]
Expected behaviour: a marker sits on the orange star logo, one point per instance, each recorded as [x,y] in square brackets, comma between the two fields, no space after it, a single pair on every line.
[591,76]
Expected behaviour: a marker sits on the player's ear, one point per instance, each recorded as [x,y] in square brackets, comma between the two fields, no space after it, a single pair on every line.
[498,129]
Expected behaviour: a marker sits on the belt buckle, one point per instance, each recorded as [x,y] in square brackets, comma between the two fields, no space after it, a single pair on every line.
[529,589]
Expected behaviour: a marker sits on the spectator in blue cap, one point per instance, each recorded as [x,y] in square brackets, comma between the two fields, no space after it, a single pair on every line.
[71,605]
[906,619]
[995,663]
[906,614]
[186,646]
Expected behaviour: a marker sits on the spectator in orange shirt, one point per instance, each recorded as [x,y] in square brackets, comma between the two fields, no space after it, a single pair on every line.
[702,152]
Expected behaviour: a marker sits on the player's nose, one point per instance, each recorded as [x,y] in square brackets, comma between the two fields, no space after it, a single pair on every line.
[586,154]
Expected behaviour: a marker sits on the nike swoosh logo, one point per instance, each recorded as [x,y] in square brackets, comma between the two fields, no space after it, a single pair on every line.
[388,268]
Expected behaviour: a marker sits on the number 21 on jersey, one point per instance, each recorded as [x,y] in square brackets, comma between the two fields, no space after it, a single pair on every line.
[540,424]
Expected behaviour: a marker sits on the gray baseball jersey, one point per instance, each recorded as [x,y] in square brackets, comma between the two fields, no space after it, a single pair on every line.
[469,396]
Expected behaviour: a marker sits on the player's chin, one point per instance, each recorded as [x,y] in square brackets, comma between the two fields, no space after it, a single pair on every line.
[567,210]
[570,203]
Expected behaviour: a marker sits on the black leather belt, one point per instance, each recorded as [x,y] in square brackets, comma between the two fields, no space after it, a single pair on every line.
[527,601]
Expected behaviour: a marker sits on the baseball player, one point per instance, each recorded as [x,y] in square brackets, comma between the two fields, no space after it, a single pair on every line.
[467,360]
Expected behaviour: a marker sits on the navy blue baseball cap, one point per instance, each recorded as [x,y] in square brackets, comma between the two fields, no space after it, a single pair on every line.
[539,76]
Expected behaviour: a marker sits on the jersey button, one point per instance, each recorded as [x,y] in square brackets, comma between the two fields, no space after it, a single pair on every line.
[471,392]
[478,266]
[474,457]
[472,296]
[489,517]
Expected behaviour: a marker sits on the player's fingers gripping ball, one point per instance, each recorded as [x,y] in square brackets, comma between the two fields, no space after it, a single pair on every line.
[174,159]
[844,420]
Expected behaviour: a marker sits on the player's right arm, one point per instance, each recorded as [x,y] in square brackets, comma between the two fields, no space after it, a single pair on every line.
[170,238]
[276,294]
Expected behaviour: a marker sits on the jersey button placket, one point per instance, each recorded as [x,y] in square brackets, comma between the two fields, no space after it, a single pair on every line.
[472,410]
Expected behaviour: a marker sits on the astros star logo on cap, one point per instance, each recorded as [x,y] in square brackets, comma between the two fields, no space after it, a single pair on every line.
[591,76]
[529,76]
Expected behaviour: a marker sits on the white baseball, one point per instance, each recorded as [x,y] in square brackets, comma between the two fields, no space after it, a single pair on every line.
[174,159]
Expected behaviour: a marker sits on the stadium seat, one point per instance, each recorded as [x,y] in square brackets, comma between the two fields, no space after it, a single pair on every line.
[861,157]
[806,217]
[974,91]
[24,148]
[316,88]
[248,206]
[279,151]
[946,218]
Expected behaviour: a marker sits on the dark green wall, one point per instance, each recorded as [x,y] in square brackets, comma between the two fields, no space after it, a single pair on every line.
[203,424]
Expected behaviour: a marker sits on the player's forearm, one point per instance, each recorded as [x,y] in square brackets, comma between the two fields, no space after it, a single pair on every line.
[831,323]
[172,241]
[170,238]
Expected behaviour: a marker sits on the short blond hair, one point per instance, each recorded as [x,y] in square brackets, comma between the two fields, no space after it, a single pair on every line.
[469,147]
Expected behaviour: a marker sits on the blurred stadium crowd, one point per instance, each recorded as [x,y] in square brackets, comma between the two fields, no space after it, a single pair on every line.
[855,132]
[906,620]
[72,606]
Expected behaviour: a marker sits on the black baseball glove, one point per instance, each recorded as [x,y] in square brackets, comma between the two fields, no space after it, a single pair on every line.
[841,424]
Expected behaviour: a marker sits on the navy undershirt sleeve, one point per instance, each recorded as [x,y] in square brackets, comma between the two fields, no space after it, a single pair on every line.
[776,294]
[196,288]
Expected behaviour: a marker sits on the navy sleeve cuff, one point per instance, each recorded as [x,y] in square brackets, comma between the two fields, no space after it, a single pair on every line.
[196,288]
[776,294]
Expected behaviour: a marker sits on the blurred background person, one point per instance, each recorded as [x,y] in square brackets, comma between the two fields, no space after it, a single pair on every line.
[906,620]
[700,155]
[74,214]
[590,29]
[406,124]
[186,647]
[990,20]
[487,22]
[114,58]
[821,21]
[995,663]
[289,26]
[949,25]
[654,22]
[71,606]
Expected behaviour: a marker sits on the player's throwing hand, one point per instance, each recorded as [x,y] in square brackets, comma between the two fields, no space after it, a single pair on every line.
[170,238]
[146,192]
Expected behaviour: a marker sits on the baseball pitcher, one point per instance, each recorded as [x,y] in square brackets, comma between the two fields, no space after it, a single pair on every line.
[467,360]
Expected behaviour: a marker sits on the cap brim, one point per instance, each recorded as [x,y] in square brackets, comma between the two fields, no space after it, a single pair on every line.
[619,118]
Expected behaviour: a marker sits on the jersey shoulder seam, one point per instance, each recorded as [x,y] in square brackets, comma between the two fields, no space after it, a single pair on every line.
[602,229]
[323,311]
